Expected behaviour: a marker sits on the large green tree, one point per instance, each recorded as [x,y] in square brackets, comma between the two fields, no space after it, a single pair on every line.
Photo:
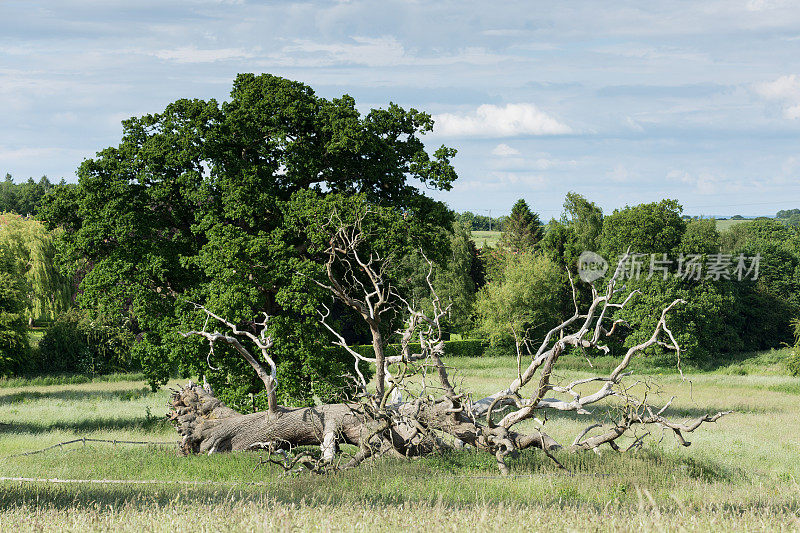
[525,302]
[585,219]
[652,228]
[191,207]
[522,229]
[455,279]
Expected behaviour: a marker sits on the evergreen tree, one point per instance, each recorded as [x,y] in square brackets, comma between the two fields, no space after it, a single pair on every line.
[522,229]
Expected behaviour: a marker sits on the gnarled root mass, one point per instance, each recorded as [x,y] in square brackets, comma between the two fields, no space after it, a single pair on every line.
[409,429]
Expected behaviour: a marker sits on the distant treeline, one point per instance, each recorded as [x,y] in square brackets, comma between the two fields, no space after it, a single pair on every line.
[474,222]
[25,198]
[789,216]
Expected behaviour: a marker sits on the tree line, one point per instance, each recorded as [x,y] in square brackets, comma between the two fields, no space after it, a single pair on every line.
[225,205]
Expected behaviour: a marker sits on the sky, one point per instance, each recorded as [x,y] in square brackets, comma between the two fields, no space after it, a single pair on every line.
[622,102]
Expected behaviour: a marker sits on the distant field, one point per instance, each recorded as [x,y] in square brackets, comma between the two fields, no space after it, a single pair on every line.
[722,225]
[492,237]
[485,237]
[739,474]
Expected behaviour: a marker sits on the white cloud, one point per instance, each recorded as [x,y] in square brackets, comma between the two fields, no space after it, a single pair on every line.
[494,121]
[503,181]
[620,174]
[504,150]
[363,50]
[704,182]
[785,91]
[632,124]
[192,54]
[765,5]
[785,87]
[386,51]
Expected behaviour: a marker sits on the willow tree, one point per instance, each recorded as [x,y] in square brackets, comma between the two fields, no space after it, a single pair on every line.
[14,349]
[31,249]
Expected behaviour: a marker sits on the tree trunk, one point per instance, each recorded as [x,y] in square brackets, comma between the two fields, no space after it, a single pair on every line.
[206,425]
[380,360]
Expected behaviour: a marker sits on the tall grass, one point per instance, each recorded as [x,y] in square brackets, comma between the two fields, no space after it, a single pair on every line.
[741,473]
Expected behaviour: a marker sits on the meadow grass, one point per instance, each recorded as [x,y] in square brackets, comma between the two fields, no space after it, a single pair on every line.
[482,238]
[723,225]
[740,473]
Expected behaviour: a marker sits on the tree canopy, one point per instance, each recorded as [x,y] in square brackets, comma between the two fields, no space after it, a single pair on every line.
[191,206]
[24,198]
[655,227]
[585,219]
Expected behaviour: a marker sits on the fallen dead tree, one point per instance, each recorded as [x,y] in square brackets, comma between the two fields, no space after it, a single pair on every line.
[414,408]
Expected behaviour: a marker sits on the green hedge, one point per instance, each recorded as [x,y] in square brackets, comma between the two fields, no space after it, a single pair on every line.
[463,348]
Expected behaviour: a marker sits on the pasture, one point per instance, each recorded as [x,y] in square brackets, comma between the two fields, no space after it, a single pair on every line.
[741,473]
[490,238]
[726,224]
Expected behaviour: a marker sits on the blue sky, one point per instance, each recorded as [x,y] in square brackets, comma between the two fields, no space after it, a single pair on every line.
[624,102]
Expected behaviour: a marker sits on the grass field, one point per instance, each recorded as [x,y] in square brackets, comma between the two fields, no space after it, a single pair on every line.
[492,237]
[486,237]
[722,225]
[741,473]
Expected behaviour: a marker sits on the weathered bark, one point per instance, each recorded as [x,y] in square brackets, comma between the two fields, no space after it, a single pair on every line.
[380,359]
[411,429]
[206,425]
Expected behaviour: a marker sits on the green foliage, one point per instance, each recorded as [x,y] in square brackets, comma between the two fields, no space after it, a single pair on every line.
[194,204]
[705,326]
[454,279]
[701,237]
[560,244]
[585,219]
[645,228]
[14,348]
[790,217]
[475,222]
[465,348]
[32,252]
[522,229]
[779,249]
[526,298]
[75,344]
[793,361]
[24,198]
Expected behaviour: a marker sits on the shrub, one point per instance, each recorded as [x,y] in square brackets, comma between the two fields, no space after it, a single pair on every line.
[793,362]
[75,344]
[465,348]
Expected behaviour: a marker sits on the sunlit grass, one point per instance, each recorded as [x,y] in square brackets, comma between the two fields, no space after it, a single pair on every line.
[490,238]
[740,473]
